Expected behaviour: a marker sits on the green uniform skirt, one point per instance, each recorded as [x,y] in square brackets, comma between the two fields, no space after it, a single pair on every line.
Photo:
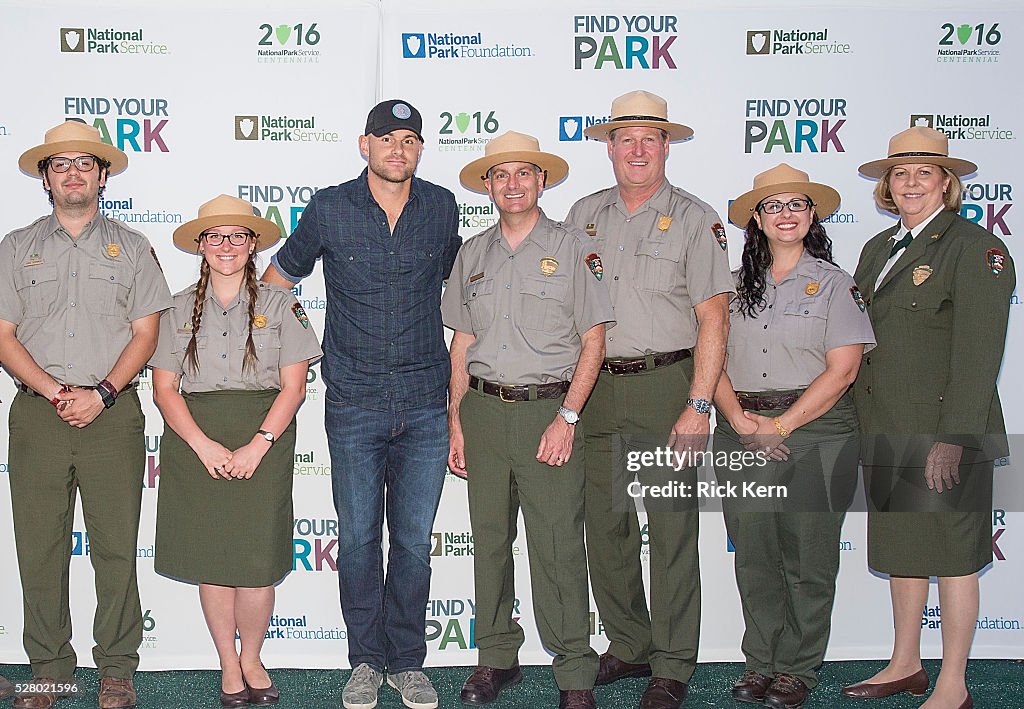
[226,532]
[914,531]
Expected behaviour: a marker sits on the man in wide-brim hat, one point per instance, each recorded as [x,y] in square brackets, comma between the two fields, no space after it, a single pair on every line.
[937,288]
[80,303]
[519,381]
[667,269]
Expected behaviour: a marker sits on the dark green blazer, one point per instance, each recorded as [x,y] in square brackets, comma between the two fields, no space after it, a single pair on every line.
[940,318]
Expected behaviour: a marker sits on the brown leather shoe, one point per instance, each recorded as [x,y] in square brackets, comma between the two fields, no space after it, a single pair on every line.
[786,692]
[234,699]
[613,669]
[916,684]
[39,698]
[263,697]
[576,699]
[751,687]
[663,693]
[486,683]
[6,688]
[117,693]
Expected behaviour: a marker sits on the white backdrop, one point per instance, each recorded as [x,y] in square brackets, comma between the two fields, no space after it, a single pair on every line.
[195,90]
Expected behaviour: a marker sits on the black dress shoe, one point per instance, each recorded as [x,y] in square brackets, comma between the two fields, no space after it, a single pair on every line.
[234,699]
[576,699]
[663,693]
[486,683]
[613,669]
[786,692]
[751,687]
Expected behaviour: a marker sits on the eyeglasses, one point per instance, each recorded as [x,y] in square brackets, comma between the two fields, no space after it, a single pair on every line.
[84,163]
[213,238]
[775,206]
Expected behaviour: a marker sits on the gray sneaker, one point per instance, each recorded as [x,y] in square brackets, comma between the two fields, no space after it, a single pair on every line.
[417,692]
[361,690]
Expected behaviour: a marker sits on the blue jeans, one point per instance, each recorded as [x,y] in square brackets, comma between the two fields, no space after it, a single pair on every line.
[393,461]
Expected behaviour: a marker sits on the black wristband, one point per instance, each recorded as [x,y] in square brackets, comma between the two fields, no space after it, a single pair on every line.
[108,398]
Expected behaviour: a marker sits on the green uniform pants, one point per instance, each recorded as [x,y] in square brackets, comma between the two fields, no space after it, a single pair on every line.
[622,412]
[50,462]
[504,475]
[787,549]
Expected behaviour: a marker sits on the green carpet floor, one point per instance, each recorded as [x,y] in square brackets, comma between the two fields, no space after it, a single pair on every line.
[995,684]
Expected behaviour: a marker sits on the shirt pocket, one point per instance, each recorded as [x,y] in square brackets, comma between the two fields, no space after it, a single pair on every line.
[541,303]
[361,271]
[106,289]
[37,288]
[657,264]
[480,299]
[268,356]
[804,324]
[181,341]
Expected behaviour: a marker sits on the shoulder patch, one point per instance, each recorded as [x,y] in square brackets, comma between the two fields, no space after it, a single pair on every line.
[996,261]
[719,232]
[858,298]
[300,315]
[594,264]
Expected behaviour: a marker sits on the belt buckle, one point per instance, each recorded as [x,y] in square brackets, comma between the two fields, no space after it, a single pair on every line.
[611,368]
[501,395]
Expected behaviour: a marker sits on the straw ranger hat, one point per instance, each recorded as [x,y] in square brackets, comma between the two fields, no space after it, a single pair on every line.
[780,179]
[225,210]
[512,147]
[640,108]
[920,145]
[72,137]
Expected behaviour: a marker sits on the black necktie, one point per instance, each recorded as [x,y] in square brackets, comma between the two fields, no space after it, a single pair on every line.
[901,244]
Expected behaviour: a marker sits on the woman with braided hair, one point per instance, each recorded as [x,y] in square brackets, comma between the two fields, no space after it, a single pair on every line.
[229,374]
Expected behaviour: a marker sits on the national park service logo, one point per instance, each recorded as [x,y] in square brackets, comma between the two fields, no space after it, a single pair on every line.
[996,261]
[593,262]
[858,298]
[300,315]
[719,231]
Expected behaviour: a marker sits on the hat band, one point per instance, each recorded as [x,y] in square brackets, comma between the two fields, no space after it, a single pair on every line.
[616,119]
[918,155]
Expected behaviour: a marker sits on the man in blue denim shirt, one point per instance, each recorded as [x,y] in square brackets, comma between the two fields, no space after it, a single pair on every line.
[387,240]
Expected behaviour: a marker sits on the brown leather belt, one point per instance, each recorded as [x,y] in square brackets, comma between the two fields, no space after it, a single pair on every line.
[767,401]
[645,363]
[519,392]
[26,390]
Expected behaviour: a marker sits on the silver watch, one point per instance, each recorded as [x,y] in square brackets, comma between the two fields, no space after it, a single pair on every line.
[571,417]
[701,406]
[267,436]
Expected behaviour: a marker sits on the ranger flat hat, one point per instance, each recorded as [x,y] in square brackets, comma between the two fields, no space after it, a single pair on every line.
[640,108]
[512,147]
[781,179]
[72,137]
[225,210]
[918,145]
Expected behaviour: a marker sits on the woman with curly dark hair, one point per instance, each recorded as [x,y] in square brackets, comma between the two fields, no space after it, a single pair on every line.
[797,333]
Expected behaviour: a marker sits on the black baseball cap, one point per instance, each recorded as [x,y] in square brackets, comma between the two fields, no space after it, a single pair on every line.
[391,115]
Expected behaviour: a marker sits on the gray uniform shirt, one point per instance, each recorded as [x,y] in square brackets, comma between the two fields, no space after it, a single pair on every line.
[528,307]
[812,311]
[658,263]
[73,300]
[281,333]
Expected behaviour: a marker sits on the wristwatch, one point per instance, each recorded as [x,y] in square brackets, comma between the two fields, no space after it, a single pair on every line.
[571,417]
[701,406]
[267,436]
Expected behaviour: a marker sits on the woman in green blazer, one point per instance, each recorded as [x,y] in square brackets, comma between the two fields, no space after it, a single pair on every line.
[937,288]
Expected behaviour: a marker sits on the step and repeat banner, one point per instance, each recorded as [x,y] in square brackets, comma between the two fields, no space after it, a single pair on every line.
[266,101]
